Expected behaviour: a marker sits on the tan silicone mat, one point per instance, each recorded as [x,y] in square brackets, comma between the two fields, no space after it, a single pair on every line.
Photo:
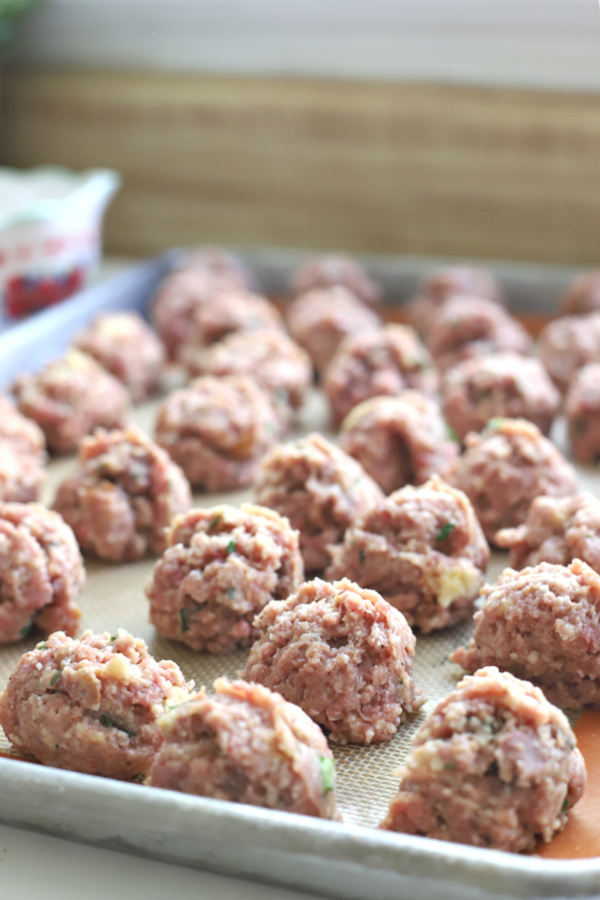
[114,597]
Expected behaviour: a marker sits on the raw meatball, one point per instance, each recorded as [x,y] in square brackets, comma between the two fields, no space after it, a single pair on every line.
[221,566]
[127,348]
[567,344]
[505,467]
[582,408]
[271,358]
[383,362]
[90,705]
[218,262]
[320,489]
[343,655]
[21,476]
[542,623]
[398,440]
[422,549]
[336,270]
[235,311]
[122,496]
[22,435]
[466,327]
[248,745]
[70,397]
[218,430]
[503,384]
[583,295]
[321,319]
[180,294]
[445,283]
[41,572]
[494,765]
[556,530]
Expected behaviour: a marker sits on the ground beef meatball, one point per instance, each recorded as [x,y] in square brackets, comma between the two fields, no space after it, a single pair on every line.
[19,433]
[320,489]
[219,263]
[505,467]
[383,362]
[343,655]
[466,327]
[494,765]
[179,295]
[502,384]
[122,496]
[582,296]
[321,319]
[21,476]
[582,407]
[398,440]
[70,397]
[41,572]
[567,344]
[336,270]
[542,623]
[218,430]
[127,348]
[90,705]
[221,566]
[247,744]
[422,549]
[271,358]
[445,283]
[556,530]
[234,311]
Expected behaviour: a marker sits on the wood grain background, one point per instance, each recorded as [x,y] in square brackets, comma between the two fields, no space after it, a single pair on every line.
[386,168]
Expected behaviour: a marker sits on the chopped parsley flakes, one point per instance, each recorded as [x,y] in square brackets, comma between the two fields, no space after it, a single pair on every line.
[445,531]
[327,766]
[55,678]
[183,623]
[231,546]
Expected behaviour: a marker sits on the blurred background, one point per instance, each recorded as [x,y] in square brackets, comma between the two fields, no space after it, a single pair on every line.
[465,128]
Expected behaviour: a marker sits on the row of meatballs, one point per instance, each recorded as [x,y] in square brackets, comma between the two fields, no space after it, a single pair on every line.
[220,427]
[102,705]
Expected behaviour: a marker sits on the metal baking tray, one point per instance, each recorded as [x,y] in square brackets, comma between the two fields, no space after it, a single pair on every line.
[349,860]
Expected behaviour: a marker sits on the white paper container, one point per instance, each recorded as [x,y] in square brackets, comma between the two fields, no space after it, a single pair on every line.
[50,232]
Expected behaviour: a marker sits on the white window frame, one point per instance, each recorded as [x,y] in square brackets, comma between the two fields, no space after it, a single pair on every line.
[526,43]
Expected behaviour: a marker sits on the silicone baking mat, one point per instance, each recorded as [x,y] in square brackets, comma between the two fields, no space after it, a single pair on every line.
[114,597]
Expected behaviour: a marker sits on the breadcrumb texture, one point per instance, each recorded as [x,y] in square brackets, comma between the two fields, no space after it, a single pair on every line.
[494,765]
[246,744]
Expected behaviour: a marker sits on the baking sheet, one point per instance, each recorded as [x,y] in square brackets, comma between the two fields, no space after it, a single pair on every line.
[114,597]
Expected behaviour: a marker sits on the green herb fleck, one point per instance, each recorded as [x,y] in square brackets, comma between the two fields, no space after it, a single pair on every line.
[565,805]
[231,546]
[42,646]
[327,766]
[445,531]
[55,678]
[450,765]
[113,637]
[495,423]
[230,592]
[183,621]
[214,522]
[107,721]
[452,434]
[26,629]
[56,747]
[362,556]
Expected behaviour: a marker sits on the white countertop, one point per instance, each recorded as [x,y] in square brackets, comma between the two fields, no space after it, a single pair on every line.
[35,865]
